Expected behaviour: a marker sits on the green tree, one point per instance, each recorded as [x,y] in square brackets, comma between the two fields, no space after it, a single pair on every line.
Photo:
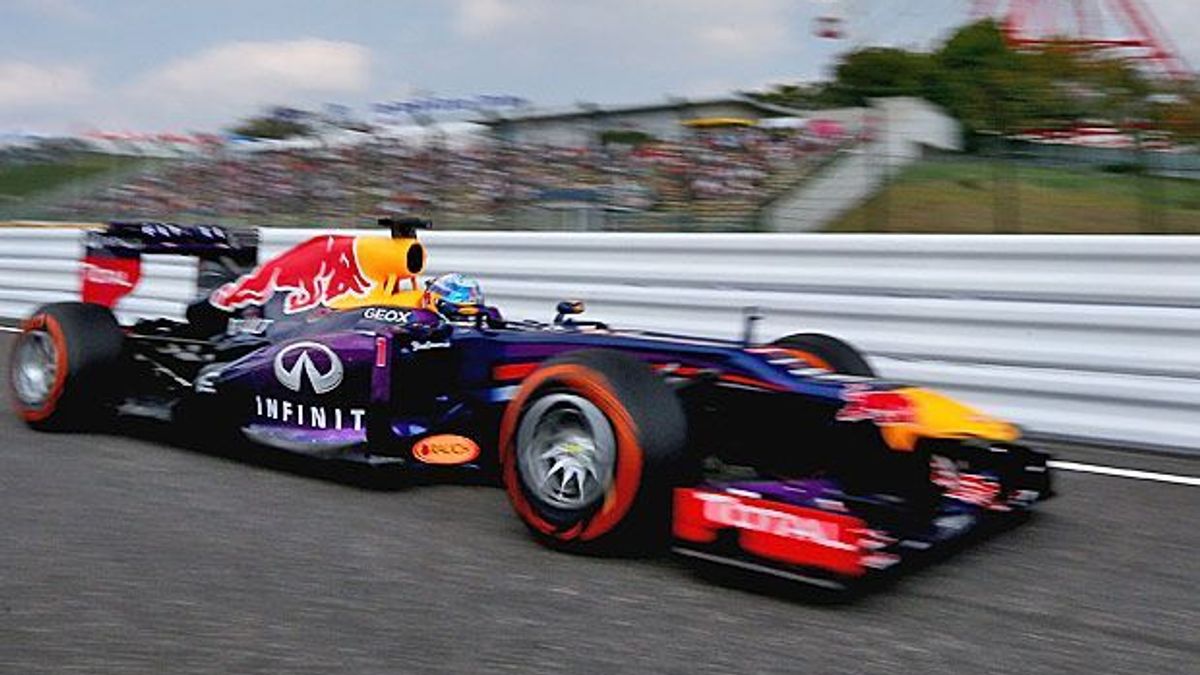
[1180,113]
[990,87]
[799,96]
[880,71]
[276,124]
[984,83]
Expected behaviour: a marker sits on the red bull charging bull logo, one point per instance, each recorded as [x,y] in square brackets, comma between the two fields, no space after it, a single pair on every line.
[336,271]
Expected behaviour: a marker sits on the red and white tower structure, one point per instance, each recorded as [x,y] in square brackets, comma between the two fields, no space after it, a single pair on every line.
[1124,28]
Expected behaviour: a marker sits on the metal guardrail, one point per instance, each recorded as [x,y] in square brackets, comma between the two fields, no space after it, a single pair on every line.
[43,264]
[1087,337]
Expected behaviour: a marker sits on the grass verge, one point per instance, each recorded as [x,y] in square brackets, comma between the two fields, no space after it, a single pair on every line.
[980,196]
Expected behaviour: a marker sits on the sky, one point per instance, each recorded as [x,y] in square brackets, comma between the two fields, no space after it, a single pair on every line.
[200,65]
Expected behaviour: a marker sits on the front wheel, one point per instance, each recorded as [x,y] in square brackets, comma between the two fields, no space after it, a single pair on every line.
[590,448]
[63,366]
[826,352]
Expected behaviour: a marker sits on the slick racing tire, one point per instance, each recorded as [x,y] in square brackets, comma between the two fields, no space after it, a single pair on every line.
[827,352]
[64,366]
[590,448]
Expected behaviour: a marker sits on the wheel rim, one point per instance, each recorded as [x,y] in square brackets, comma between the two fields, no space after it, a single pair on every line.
[35,368]
[566,451]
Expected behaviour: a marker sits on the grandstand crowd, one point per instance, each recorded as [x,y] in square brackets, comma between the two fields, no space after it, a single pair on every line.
[722,173]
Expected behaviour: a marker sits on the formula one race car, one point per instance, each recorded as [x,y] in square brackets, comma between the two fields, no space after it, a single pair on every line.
[789,458]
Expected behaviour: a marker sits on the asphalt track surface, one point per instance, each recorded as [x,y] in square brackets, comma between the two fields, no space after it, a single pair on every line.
[123,555]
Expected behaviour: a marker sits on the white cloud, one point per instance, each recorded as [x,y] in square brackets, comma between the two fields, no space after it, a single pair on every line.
[476,18]
[25,85]
[746,28]
[620,51]
[239,74]
[209,88]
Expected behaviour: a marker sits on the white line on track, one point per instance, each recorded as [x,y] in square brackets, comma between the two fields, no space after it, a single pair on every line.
[1193,481]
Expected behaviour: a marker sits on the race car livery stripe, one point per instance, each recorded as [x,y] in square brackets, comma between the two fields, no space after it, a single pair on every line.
[502,394]
[751,382]
[811,359]
[509,372]
[675,370]
[513,371]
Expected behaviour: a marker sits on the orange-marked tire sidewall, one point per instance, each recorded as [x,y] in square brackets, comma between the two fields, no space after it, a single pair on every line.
[628,475]
[809,358]
[49,324]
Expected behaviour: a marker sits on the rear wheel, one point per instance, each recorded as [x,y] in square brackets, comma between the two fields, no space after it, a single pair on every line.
[590,449]
[63,366]
[827,352]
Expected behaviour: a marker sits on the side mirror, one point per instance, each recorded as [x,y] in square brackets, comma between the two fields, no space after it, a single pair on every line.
[567,308]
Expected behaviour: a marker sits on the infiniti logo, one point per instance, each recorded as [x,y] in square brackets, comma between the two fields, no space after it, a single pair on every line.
[295,363]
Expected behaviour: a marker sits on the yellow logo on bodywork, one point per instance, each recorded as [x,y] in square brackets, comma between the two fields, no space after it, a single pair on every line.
[387,264]
[939,416]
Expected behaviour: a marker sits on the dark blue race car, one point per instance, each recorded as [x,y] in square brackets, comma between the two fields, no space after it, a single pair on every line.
[789,457]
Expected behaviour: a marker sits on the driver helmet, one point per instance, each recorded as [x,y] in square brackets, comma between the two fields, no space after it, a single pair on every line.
[454,294]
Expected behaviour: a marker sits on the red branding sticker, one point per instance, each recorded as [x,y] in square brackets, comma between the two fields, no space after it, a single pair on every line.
[782,532]
[106,280]
[885,408]
[445,449]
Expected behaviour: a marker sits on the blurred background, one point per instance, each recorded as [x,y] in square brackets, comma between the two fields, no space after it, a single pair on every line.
[877,116]
[1017,116]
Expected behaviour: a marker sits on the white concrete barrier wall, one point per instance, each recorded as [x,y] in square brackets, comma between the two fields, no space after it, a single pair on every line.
[43,264]
[1088,337]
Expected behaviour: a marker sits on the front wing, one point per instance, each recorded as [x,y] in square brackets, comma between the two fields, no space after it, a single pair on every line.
[810,531]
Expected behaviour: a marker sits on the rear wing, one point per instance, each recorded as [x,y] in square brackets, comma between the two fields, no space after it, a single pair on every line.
[112,264]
